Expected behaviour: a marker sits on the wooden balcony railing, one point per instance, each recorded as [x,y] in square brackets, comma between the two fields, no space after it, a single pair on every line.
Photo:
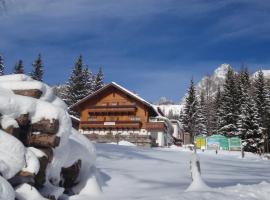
[155,126]
[110,125]
[113,109]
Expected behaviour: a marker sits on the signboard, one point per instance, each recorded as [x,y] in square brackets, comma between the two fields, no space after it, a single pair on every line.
[200,142]
[217,142]
[109,123]
[235,144]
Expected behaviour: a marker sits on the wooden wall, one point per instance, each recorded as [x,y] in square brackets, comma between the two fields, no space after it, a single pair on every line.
[113,95]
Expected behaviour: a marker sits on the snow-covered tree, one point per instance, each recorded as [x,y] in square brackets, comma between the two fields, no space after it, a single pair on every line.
[261,97]
[217,103]
[261,93]
[98,80]
[190,111]
[19,68]
[243,84]
[2,66]
[201,121]
[77,86]
[89,80]
[251,132]
[230,105]
[37,72]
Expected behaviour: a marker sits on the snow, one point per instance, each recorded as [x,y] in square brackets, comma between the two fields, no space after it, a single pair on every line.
[197,182]
[266,73]
[7,121]
[6,191]
[175,109]
[12,154]
[32,162]
[164,174]
[28,192]
[14,157]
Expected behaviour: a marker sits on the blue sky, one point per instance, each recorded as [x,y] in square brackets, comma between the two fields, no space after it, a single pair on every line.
[152,47]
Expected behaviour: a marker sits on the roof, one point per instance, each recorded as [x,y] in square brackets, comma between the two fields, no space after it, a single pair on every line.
[121,88]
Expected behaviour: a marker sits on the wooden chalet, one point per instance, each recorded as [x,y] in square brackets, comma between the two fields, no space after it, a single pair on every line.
[114,113]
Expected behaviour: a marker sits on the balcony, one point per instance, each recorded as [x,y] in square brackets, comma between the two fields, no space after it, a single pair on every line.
[155,126]
[110,125]
[112,109]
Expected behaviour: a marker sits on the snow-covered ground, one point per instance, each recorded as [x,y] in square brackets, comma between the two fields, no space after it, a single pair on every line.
[164,174]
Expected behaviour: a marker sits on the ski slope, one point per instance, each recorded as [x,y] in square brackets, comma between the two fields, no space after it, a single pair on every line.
[163,174]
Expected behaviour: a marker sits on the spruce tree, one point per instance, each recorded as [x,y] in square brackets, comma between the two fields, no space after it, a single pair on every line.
[89,80]
[230,105]
[76,86]
[98,80]
[19,68]
[244,84]
[190,111]
[37,72]
[218,113]
[201,121]
[2,66]
[262,104]
[252,134]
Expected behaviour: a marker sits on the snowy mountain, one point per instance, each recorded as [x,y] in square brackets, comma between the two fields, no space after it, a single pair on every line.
[209,84]
[171,109]
[265,72]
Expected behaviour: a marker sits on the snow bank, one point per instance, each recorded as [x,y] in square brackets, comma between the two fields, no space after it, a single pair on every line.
[125,143]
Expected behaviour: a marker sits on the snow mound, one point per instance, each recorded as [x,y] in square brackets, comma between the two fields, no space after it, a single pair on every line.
[197,182]
[126,143]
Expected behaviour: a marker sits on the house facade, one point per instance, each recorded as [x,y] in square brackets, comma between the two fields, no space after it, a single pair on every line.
[113,113]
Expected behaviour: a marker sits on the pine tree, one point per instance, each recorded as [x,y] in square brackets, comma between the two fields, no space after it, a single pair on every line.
[98,80]
[230,105]
[218,110]
[37,72]
[76,86]
[89,80]
[260,96]
[244,99]
[190,111]
[19,68]
[2,66]
[252,134]
[262,104]
[201,122]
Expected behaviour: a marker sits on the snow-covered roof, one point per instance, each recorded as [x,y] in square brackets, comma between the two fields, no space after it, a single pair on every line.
[121,88]
[74,117]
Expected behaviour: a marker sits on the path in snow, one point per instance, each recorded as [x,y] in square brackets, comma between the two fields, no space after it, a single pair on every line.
[138,173]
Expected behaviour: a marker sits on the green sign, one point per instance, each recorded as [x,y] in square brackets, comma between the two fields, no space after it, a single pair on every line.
[217,142]
[235,143]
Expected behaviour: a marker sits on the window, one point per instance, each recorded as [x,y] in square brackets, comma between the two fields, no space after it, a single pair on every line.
[114,104]
[92,118]
[134,118]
